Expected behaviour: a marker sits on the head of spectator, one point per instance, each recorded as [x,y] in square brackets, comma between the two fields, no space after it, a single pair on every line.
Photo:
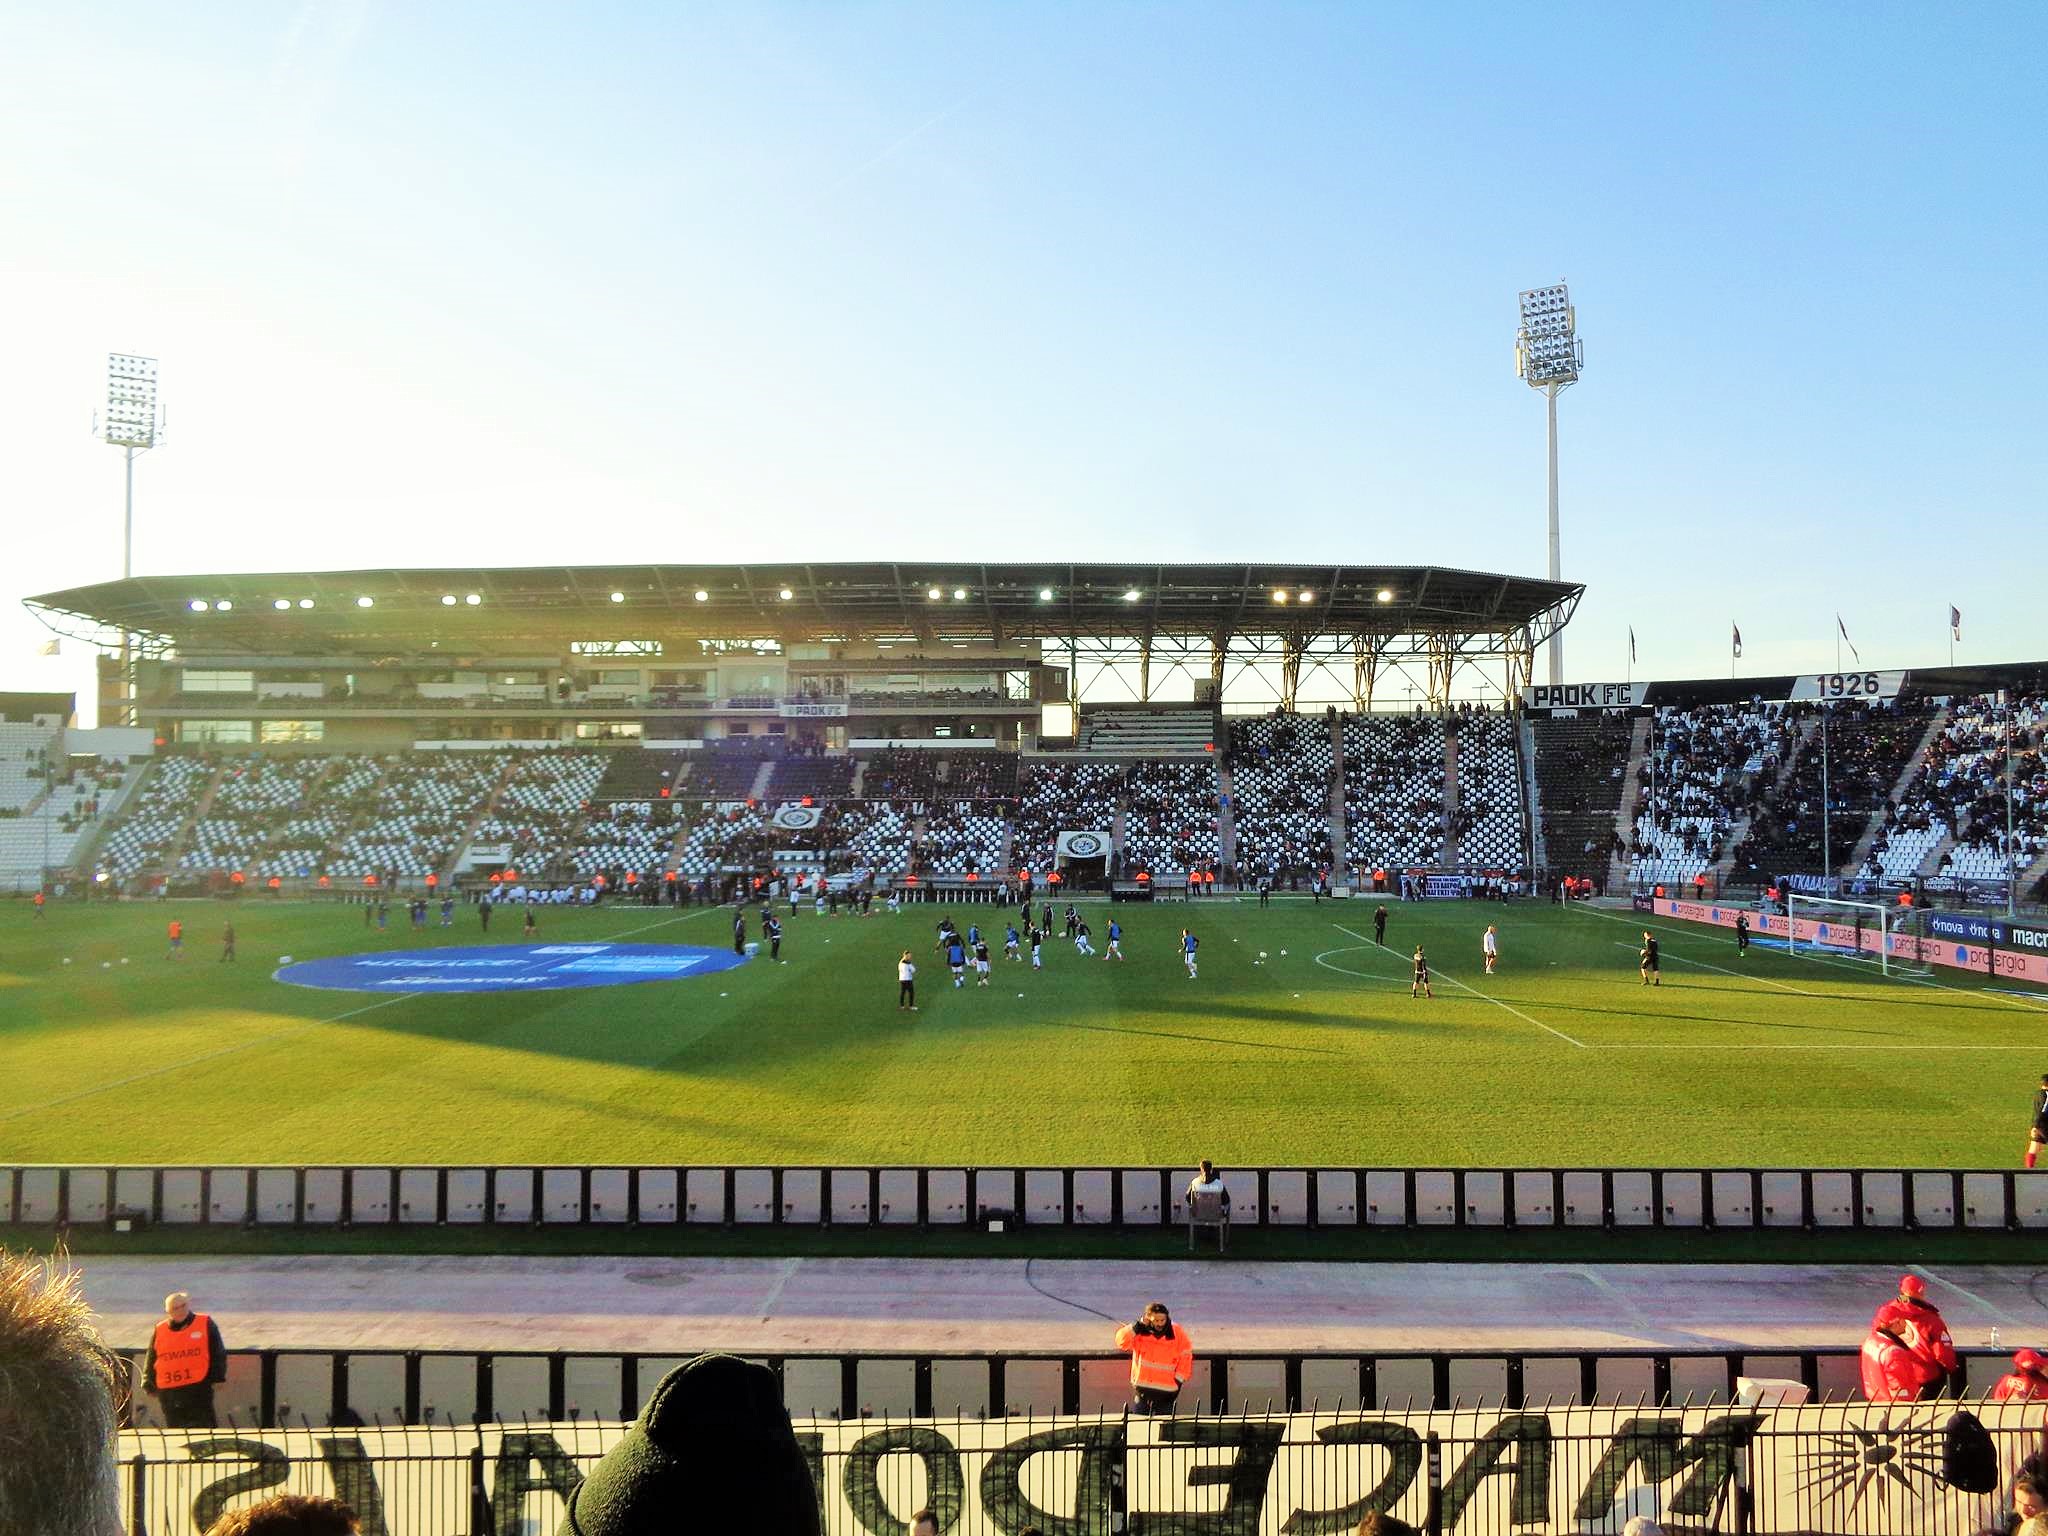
[2030,1489]
[924,1523]
[57,1396]
[288,1514]
[177,1306]
[714,1440]
[1642,1525]
[1208,1171]
[1377,1524]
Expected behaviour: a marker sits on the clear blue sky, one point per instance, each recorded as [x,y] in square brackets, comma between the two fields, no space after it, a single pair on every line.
[516,285]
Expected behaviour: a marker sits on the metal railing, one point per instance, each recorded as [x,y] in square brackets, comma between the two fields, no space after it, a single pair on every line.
[1619,1199]
[275,1388]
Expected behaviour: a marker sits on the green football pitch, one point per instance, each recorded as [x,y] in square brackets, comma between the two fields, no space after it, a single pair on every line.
[1297,1044]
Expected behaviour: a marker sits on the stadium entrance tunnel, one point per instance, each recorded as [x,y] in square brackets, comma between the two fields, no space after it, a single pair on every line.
[507,968]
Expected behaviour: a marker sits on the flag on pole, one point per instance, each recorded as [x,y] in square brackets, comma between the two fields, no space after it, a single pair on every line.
[1844,629]
[1955,622]
[50,648]
[1737,628]
[1631,645]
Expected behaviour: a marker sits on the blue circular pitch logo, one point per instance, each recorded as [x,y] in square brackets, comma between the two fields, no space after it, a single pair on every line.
[508,968]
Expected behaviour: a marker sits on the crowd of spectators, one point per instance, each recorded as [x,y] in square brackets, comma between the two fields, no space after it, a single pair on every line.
[1280,769]
[962,837]
[1703,773]
[1799,825]
[1959,791]
[1394,790]
[989,775]
[900,773]
[1171,817]
[1061,796]
[1488,825]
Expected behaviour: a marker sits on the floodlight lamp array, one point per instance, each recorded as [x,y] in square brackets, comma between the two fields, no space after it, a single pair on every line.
[1547,348]
[131,420]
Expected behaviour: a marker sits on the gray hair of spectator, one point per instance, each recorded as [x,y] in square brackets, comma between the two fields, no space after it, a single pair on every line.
[1642,1525]
[57,1470]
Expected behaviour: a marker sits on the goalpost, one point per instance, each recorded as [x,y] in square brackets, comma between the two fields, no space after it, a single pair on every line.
[1855,930]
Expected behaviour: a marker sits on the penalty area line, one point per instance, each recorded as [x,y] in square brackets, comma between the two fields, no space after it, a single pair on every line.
[1482,996]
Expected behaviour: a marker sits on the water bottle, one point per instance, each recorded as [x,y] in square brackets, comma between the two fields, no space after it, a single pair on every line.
[1994,1335]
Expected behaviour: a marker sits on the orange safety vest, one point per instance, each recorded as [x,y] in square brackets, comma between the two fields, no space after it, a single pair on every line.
[1156,1363]
[177,930]
[183,1355]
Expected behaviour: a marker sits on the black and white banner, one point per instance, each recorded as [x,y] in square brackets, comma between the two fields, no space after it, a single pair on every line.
[1083,845]
[798,818]
[1852,1468]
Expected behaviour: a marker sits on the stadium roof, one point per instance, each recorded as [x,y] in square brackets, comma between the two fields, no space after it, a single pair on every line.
[377,611]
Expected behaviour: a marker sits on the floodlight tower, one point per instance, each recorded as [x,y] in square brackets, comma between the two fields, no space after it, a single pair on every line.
[132,423]
[1548,356]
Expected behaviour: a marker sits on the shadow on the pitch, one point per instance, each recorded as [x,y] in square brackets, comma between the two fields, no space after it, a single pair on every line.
[1170,1034]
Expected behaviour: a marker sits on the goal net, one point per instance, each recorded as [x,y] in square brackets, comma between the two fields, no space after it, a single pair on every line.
[1866,932]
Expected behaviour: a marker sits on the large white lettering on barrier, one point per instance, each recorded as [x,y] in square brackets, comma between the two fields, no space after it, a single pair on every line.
[1859,1468]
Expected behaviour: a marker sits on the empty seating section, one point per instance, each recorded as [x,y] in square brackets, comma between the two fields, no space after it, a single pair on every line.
[256,797]
[1280,769]
[48,834]
[900,773]
[1394,790]
[1170,817]
[961,837]
[1061,797]
[736,834]
[640,775]
[1959,791]
[543,803]
[1490,792]
[1867,747]
[1703,772]
[1581,771]
[727,772]
[420,811]
[1148,733]
[23,769]
[816,779]
[157,813]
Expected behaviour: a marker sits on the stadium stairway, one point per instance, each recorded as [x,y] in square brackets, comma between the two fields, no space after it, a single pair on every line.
[1935,726]
[1453,798]
[2034,873]
[202,804]
[309,796]
[1738,829]
[460,846]
[85,852]
[763,777]
[1631,804]
[1226,823]
[1340,844]
[1532,803]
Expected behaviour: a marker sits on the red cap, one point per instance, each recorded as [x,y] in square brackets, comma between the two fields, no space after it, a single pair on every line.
[2029,1360]
[1912,1285]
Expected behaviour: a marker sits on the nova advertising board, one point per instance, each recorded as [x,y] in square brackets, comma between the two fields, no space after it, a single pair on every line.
[1853,1469]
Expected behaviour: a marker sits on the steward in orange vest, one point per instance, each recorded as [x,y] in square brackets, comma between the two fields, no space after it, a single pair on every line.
[1162,1359]
[186,1357]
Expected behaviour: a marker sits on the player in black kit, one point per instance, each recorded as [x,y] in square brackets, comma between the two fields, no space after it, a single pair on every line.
[1652,976]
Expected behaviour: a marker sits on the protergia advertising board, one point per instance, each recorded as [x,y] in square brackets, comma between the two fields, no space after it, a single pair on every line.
[1858,1468]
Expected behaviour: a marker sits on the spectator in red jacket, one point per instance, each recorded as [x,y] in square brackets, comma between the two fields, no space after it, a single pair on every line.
[2026,1381]
[1908,1353]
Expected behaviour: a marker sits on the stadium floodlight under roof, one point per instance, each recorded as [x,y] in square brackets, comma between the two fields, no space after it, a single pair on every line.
[1549,357]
